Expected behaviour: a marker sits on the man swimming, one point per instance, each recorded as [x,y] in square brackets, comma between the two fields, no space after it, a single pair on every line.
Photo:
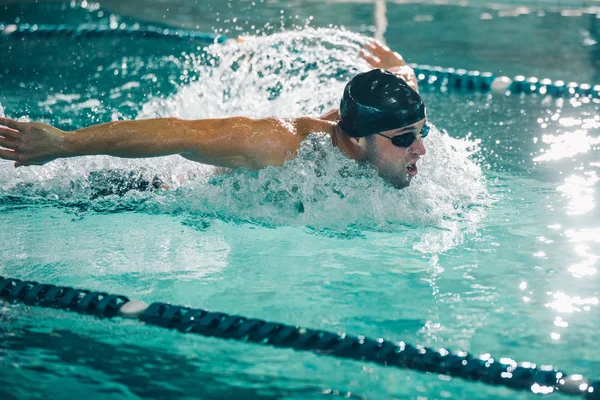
[381,121]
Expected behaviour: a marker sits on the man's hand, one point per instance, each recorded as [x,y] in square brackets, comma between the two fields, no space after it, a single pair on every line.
[29,143]
[380,56]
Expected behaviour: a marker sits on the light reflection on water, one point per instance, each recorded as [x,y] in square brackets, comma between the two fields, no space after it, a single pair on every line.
[564,303]
[566,145]
[582,239]
[580,192]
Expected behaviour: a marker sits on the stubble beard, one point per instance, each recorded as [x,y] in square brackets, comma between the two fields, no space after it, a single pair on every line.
[399,180]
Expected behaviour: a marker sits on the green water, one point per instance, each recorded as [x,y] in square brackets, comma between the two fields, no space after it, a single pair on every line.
[493,249]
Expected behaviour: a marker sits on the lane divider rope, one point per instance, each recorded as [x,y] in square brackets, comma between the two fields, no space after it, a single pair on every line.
[476,81]
[493,371]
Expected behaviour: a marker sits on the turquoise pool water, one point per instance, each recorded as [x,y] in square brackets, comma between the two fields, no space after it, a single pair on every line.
[493,249]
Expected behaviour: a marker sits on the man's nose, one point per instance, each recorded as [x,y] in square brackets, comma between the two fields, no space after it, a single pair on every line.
[417,147]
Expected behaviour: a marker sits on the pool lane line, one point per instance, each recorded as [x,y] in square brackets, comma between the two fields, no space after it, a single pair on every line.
[543,379]
[434,77]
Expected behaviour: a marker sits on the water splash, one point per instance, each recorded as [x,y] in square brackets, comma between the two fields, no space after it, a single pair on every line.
[285,74]
[323,189]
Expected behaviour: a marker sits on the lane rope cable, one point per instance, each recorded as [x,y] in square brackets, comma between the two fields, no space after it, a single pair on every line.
[484,368]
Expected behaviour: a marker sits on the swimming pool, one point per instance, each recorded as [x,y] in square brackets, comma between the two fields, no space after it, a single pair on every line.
[493,249]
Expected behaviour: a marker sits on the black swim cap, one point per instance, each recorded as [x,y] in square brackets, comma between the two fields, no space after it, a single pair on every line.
[378,101]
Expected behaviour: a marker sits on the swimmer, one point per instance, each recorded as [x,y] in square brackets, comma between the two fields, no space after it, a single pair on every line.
[381,121]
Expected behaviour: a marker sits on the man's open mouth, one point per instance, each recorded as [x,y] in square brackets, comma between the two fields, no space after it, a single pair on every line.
[412,169]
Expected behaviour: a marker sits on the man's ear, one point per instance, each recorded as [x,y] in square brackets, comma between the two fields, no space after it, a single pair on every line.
[361,142]
[360,145]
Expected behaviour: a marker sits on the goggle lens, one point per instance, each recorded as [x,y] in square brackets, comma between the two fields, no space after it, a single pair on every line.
[407,140]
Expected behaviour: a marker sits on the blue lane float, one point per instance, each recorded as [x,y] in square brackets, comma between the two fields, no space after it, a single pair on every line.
[486,369]
[476,81]
[431,76]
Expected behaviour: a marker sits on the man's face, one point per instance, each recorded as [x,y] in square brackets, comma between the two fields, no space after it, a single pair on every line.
[397,165]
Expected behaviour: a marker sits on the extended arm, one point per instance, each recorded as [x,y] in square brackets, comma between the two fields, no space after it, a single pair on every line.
[229,142]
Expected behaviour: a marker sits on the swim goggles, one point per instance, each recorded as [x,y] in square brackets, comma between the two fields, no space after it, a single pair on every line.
[406,139]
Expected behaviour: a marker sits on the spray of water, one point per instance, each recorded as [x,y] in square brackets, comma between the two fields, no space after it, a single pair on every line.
[285,74]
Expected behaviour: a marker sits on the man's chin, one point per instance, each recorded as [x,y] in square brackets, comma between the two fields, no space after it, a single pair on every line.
[401,185]
[398,183]
[397,180]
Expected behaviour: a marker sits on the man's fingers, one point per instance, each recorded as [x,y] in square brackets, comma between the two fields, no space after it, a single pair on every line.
[372,60]
[398,56]
[8,144]
[371,44]
[9,155]
[9,133]
[11,123]
[377,48]
[374,47]
[384,53]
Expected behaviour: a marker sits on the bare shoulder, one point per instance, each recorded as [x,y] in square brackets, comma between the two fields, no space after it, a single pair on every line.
[307,125]
[282,137]
[293,128]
